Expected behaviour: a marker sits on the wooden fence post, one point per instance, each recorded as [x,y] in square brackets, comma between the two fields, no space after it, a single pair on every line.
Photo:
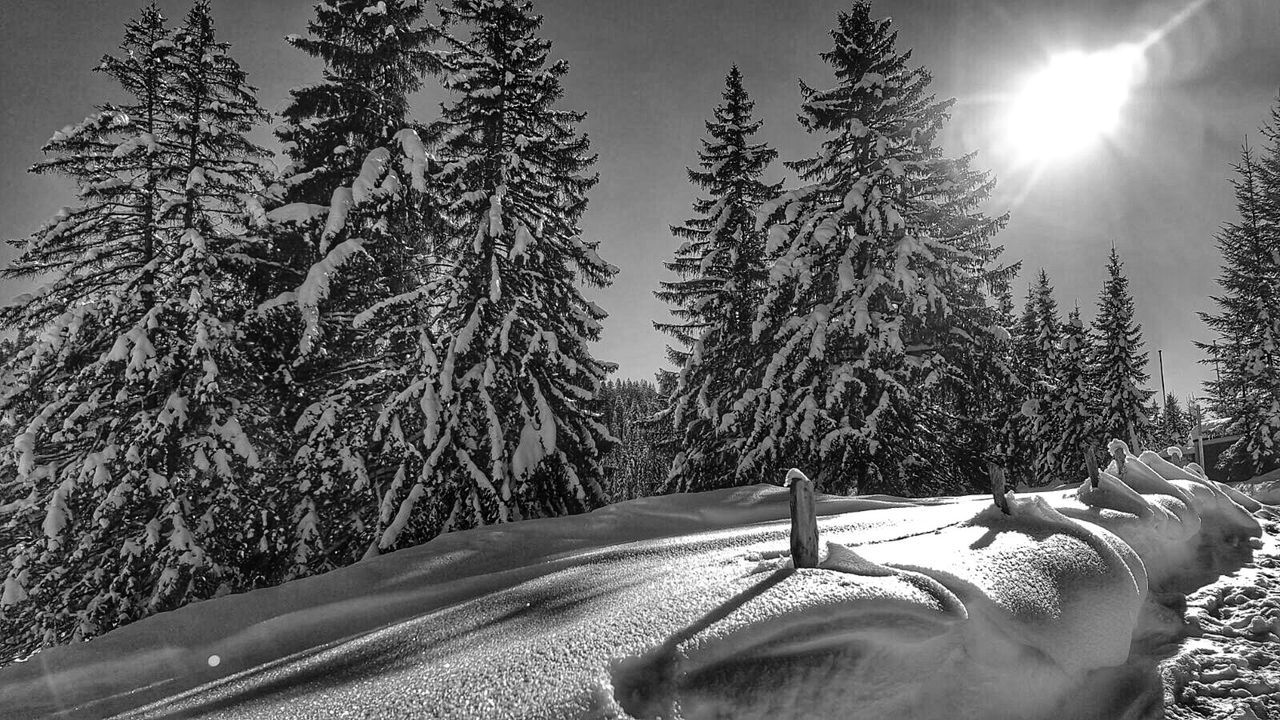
[804,520]
[1091,463]
[998,487]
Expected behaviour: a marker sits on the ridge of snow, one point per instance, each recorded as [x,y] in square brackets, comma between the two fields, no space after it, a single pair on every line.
[688,606]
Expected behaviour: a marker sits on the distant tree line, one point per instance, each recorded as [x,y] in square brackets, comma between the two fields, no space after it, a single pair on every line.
[637,465]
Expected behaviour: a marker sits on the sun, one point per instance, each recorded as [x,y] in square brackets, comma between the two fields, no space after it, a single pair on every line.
[1072,102]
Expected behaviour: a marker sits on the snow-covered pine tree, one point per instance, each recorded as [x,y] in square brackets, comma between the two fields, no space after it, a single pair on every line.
[1248,321]
[722,273]
[1117,364]
[135,446]
[979,409]
[220,179]
[355,236]
[875,313]
[1175,424]
[1074,402]
[1038,363]
[376,54]
[1195,412]
[1023,341]
[503,394]
[1002,397]
[1036,340]
[1018,447]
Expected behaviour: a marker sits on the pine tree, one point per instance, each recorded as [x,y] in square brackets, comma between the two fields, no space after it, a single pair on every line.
[1248,322]
[875,327]
[1038,364]
[134,449]
[722,274]
[1175,424]
[1195,411]
[1039,330]
[1002,422]
[1074,401]
[375,56]
[356,238]
[982,404]
[1018,448]
[503,390]
[1023,341]
[1117,362]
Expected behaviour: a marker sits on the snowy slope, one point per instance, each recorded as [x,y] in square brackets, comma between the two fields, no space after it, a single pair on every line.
[686,606]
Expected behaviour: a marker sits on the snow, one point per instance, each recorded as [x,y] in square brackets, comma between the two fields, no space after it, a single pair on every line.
[415,157]
[403,514]
[1030,408]
[315,288]
[1229,668]
[687,606]
[13,592]
[495,215]
[371,171]
[297,213]
[1211,428]
[144,141]
[520,246]
[339,206]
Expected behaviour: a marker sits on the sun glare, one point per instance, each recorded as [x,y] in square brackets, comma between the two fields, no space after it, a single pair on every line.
[1072,102]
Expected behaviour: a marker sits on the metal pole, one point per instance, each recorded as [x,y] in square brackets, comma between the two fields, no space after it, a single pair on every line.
[1164,394]
[1200,455]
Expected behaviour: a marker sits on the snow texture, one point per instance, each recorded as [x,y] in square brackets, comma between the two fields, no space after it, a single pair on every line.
[1230,667]
[687,606]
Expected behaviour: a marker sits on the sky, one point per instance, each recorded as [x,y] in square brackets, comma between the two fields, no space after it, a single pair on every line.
[648,73]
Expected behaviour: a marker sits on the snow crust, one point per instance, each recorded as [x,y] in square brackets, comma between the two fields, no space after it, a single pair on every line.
[688,607]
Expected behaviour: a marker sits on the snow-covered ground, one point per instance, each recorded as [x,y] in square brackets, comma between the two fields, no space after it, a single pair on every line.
[687,607]
[1230,666]
[1265,488]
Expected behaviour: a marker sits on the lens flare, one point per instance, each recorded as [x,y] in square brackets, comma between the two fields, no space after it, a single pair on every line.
[1072,102]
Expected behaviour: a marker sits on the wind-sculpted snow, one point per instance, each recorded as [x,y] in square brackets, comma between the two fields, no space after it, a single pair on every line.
[688,607]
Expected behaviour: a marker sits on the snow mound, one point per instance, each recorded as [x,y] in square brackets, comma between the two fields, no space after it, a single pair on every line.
[689,607]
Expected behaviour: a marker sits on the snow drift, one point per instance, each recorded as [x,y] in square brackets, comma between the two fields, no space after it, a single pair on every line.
[687,607]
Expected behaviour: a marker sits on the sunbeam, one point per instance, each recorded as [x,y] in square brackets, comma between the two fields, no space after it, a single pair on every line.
[1073,101]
